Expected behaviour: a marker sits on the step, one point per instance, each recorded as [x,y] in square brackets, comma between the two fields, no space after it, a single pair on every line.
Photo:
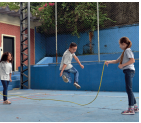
[15,83]
[15,73]
[10,83]
[10,87]
[46,60]
[15,77]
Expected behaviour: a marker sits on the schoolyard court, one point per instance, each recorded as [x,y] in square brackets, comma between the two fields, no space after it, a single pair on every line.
[106,108]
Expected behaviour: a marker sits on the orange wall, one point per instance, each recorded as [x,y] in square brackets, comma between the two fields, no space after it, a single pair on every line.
[8,29]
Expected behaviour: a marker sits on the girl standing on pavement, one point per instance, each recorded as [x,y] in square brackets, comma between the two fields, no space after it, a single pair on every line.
[5,73]
[126,61]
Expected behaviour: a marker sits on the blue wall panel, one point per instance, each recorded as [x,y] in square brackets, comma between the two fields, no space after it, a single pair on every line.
[40,46]
[110,37]
[46,46]
[95,57]
[47,77]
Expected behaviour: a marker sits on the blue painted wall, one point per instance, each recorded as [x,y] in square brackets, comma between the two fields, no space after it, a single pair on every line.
[47,77]
[111,36]
[40,46]
[45,46]
[95,57]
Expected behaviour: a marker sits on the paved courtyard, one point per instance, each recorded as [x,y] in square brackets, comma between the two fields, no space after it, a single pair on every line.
[106,108]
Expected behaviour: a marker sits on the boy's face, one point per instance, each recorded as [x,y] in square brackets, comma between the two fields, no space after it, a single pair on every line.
[73,49]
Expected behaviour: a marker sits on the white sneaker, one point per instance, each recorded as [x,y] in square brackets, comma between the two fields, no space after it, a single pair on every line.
[65,79]
[77,85]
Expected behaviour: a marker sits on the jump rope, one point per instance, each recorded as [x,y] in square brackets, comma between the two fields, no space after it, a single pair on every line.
[64,100]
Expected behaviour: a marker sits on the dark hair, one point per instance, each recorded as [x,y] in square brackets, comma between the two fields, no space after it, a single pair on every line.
[73,44]
[129,44]
[5,56]
[126,41]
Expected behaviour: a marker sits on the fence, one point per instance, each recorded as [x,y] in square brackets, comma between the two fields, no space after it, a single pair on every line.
[78,22]
[75,22]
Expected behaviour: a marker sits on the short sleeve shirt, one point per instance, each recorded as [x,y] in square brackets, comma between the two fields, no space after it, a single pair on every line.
[5,70]
[66,59]
[127,55]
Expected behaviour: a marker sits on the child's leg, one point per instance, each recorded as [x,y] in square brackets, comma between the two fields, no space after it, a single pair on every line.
[5,87]
[7,83]
[131,99]
[67,75]
[129,74]
[76,74]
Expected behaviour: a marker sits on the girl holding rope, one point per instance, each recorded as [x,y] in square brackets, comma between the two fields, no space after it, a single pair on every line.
[126,61]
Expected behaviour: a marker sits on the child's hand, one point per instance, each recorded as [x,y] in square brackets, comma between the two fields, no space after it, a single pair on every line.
[10,80]
[61,73]
[107,62]
[120,66]
[82,66]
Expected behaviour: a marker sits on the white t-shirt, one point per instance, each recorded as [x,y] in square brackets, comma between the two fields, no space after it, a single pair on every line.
[5,70]
[66,59]
[127,55]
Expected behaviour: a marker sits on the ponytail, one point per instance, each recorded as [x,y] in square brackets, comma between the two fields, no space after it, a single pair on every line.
[129,44]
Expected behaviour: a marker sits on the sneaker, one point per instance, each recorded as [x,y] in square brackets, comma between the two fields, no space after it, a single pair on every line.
[65,79]
[129,111]
[6,102]
[136,109]
[77,85]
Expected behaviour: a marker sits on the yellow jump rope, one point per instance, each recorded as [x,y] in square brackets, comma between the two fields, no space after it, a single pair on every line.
[64,100]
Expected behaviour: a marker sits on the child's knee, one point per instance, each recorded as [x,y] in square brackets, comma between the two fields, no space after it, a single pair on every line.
[77,72]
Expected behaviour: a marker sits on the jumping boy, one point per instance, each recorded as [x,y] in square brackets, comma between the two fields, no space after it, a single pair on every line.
[66,67]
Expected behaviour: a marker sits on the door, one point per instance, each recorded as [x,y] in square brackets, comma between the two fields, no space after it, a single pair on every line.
[8,46]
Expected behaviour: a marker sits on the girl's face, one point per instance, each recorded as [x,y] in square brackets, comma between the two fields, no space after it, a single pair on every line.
[9,57]
[122,46]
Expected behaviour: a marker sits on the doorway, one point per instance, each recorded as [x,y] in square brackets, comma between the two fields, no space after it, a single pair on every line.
[8,46]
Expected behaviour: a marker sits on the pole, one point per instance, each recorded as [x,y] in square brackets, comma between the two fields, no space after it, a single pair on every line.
[28,45]
[98,31]
[21,46]
[56,28]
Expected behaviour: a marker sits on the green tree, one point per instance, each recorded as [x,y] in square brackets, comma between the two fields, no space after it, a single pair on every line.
[12,5]
[74,17]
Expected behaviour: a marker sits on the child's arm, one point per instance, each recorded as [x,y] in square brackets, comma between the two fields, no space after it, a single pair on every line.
[63,68]
[77,60]
[131,61]
[10,77]
[112,62]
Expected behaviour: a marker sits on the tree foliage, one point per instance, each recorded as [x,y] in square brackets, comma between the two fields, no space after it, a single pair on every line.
[74,17]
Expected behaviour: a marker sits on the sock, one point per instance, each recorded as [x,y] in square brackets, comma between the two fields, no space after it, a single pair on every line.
[135,106]
[131,106]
